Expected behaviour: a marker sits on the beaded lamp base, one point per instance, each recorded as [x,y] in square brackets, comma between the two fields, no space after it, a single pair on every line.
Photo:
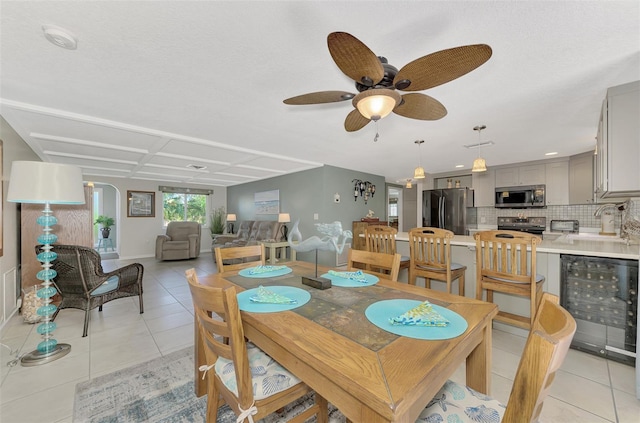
[36,358]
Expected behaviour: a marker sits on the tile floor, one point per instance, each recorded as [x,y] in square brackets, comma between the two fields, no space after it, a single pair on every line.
[587,389]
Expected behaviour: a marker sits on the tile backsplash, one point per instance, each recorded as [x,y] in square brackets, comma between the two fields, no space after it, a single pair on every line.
[583,213]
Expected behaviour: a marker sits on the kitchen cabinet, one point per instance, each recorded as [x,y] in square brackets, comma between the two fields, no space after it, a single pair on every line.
[520,175]
[484,187]
[618,143]
[359,226]
[581,178]
[557,177]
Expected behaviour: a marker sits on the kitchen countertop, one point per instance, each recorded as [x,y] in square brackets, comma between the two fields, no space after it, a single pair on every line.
[593,248]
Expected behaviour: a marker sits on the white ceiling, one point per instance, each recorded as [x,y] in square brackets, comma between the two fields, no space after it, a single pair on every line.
[156,86]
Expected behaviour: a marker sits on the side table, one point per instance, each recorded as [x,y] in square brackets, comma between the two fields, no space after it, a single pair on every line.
[273,248]
[104,243]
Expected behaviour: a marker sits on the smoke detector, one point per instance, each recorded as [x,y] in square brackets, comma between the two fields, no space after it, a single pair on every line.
[60,37]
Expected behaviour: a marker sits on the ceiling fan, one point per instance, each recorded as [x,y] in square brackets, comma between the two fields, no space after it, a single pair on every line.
[377,81]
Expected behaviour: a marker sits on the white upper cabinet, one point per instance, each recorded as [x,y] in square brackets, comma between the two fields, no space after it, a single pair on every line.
[618,143]
[520,175]
[484,188]
[557,177]
[581,178]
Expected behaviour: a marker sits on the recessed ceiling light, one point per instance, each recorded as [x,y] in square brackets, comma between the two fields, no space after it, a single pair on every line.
[60,37]
[459,165]
[553,153]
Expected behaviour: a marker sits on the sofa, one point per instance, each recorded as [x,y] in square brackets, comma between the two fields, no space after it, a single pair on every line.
[250,232]
[181,242]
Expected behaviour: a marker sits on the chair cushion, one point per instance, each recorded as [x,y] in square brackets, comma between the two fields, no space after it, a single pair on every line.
[109,285]
[457,403]
[454,266]
[176,245]
[538,279]
[268,376]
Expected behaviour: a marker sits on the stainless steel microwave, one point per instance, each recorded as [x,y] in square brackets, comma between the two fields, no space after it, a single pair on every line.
[520,197]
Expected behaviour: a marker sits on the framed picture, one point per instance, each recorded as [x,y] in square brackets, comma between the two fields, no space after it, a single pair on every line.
[141,204]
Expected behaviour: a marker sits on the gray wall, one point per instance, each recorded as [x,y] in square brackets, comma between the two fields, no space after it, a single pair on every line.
[13,148]
[303,194]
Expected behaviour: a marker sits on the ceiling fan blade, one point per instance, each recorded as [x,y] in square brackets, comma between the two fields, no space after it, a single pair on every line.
[355,59]
[441,67]
[355,121]
[319,98]
[420,106]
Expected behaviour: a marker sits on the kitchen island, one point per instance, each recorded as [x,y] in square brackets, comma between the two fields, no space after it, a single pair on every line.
[548,263]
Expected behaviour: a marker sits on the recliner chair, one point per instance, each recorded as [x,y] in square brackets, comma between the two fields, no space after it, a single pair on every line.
[181,242]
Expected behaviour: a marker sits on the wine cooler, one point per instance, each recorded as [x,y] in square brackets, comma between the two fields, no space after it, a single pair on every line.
[602,295]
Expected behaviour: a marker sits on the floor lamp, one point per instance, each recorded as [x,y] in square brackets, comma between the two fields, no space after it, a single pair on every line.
[46,183]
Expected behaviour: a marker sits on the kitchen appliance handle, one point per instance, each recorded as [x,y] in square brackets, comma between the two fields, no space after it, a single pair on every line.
[442,206]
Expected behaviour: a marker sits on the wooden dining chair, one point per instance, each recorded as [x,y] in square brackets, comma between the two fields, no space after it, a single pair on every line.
[237,372]
[547,345]
[386,266]
[382,239]
[235,258]
[430,254]
[506,263]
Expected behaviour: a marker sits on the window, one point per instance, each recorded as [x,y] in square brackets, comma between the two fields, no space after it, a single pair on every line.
[184,204]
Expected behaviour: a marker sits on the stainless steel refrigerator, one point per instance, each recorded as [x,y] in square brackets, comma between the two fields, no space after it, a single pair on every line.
[450,208]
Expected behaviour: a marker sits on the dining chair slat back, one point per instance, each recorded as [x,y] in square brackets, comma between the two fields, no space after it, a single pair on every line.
[506,263]
[430,254]
[385,266]
[382,239]
[237,258]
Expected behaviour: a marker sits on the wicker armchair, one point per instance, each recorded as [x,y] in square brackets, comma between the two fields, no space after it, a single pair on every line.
[82,283]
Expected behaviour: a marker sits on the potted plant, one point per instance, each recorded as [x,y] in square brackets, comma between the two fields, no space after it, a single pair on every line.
[216,224]
[106,222]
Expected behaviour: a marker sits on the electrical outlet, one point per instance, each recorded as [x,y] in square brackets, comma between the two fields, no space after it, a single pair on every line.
[315,216]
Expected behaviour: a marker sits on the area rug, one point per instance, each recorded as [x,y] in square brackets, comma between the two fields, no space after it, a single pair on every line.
[160,390]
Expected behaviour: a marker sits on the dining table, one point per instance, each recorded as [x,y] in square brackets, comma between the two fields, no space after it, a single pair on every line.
[369,373]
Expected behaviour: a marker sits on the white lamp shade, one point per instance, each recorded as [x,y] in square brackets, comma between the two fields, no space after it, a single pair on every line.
[376,103]
[231,217]
[42,182]
[284,218]
[479,165]
[419,173]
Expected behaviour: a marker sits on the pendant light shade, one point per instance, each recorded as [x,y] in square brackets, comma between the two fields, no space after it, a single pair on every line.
[419,172]
[479,164]
[376,103]
[408,185]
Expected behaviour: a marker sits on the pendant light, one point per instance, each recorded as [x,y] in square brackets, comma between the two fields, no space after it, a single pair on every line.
[419,172]
[479,164]
[408,185]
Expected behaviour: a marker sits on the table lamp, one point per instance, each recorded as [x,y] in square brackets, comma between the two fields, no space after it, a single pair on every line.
[230,219]
[46,183]
[284,218]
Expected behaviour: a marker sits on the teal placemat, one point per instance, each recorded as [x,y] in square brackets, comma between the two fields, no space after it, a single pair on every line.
[300,295]
[348,283]
[380,312]
[279,272]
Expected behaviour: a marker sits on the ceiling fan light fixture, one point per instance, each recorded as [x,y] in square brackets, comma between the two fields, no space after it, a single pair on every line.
[376,103]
